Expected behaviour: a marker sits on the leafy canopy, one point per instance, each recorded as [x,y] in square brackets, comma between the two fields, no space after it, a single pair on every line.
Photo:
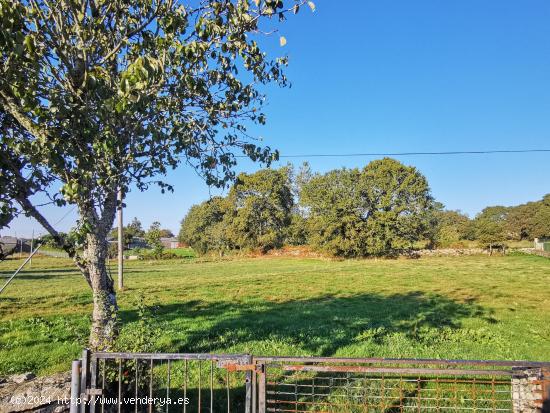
[203,228]
[153,236]
[256,214]
[261,206]
[113,93]
[132,230]
[381,209]
[19,178]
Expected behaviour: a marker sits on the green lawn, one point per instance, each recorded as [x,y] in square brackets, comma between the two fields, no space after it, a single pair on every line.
[463,307]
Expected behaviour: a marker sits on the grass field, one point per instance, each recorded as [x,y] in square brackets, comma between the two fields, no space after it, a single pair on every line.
[463,307]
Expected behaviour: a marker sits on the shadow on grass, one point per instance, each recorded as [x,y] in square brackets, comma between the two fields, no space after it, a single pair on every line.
[320,326]
[27,274]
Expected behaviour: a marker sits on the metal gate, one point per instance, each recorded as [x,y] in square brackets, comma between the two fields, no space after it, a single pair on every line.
[161,382]
[137,382]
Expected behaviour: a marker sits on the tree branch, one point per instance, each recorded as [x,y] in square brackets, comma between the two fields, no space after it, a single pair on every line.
[31,211]
[9,104]
[130,34]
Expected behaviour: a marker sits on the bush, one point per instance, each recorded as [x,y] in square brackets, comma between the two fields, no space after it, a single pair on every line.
[142,335]
[112,250]
[153,254]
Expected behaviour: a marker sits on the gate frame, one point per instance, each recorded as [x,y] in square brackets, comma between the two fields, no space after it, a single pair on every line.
[84,372]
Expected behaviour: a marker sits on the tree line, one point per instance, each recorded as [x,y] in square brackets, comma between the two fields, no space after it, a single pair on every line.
[383,209]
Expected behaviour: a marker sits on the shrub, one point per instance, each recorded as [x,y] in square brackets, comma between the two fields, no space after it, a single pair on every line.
[151,254]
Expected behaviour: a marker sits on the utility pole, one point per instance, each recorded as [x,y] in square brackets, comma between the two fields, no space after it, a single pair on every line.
[120,244]
[32,249]
[17,244]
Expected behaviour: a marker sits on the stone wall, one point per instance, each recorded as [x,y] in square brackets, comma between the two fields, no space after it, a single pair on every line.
[452,252]
[534,251]
[528,391]
[27,393]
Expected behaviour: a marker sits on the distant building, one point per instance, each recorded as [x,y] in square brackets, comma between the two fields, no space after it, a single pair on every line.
[170,243]
[8,246]
[137,242]
[542,244]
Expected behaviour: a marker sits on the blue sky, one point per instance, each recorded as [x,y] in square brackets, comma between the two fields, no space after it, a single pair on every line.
[399,76]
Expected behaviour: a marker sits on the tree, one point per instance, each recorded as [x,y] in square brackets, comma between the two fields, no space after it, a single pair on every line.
[490,233]
[153,236]
[20,179]
[530,220]
[490,227]
[49,241]
[541,222]
[451,227]
[337,214]
[166,233]
[131,231]
[203,228]
[297,233]
[111,95]
[494,213]
[255,214]
[260,209]
[379,210]
[134,228]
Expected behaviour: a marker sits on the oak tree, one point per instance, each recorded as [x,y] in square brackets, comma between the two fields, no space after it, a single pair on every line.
[260,209]
[381,209]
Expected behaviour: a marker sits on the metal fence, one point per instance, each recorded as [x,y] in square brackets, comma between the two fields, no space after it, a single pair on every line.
[126,382]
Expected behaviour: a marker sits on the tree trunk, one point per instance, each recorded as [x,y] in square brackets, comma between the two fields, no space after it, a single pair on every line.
[104,323]
[93,263]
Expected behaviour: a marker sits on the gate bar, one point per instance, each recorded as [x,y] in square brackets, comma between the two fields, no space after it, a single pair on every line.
[373,360]
[84,378]
[248,384]
[364,369]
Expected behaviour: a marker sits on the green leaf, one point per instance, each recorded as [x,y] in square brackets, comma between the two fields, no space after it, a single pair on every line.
[124,85]
[29,43]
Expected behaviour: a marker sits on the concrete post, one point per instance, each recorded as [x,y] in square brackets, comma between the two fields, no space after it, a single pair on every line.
[75,386]
[120,243]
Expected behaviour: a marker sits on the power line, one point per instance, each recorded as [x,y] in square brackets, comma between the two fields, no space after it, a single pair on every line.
[58,221]
[441,153]
[65,216]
